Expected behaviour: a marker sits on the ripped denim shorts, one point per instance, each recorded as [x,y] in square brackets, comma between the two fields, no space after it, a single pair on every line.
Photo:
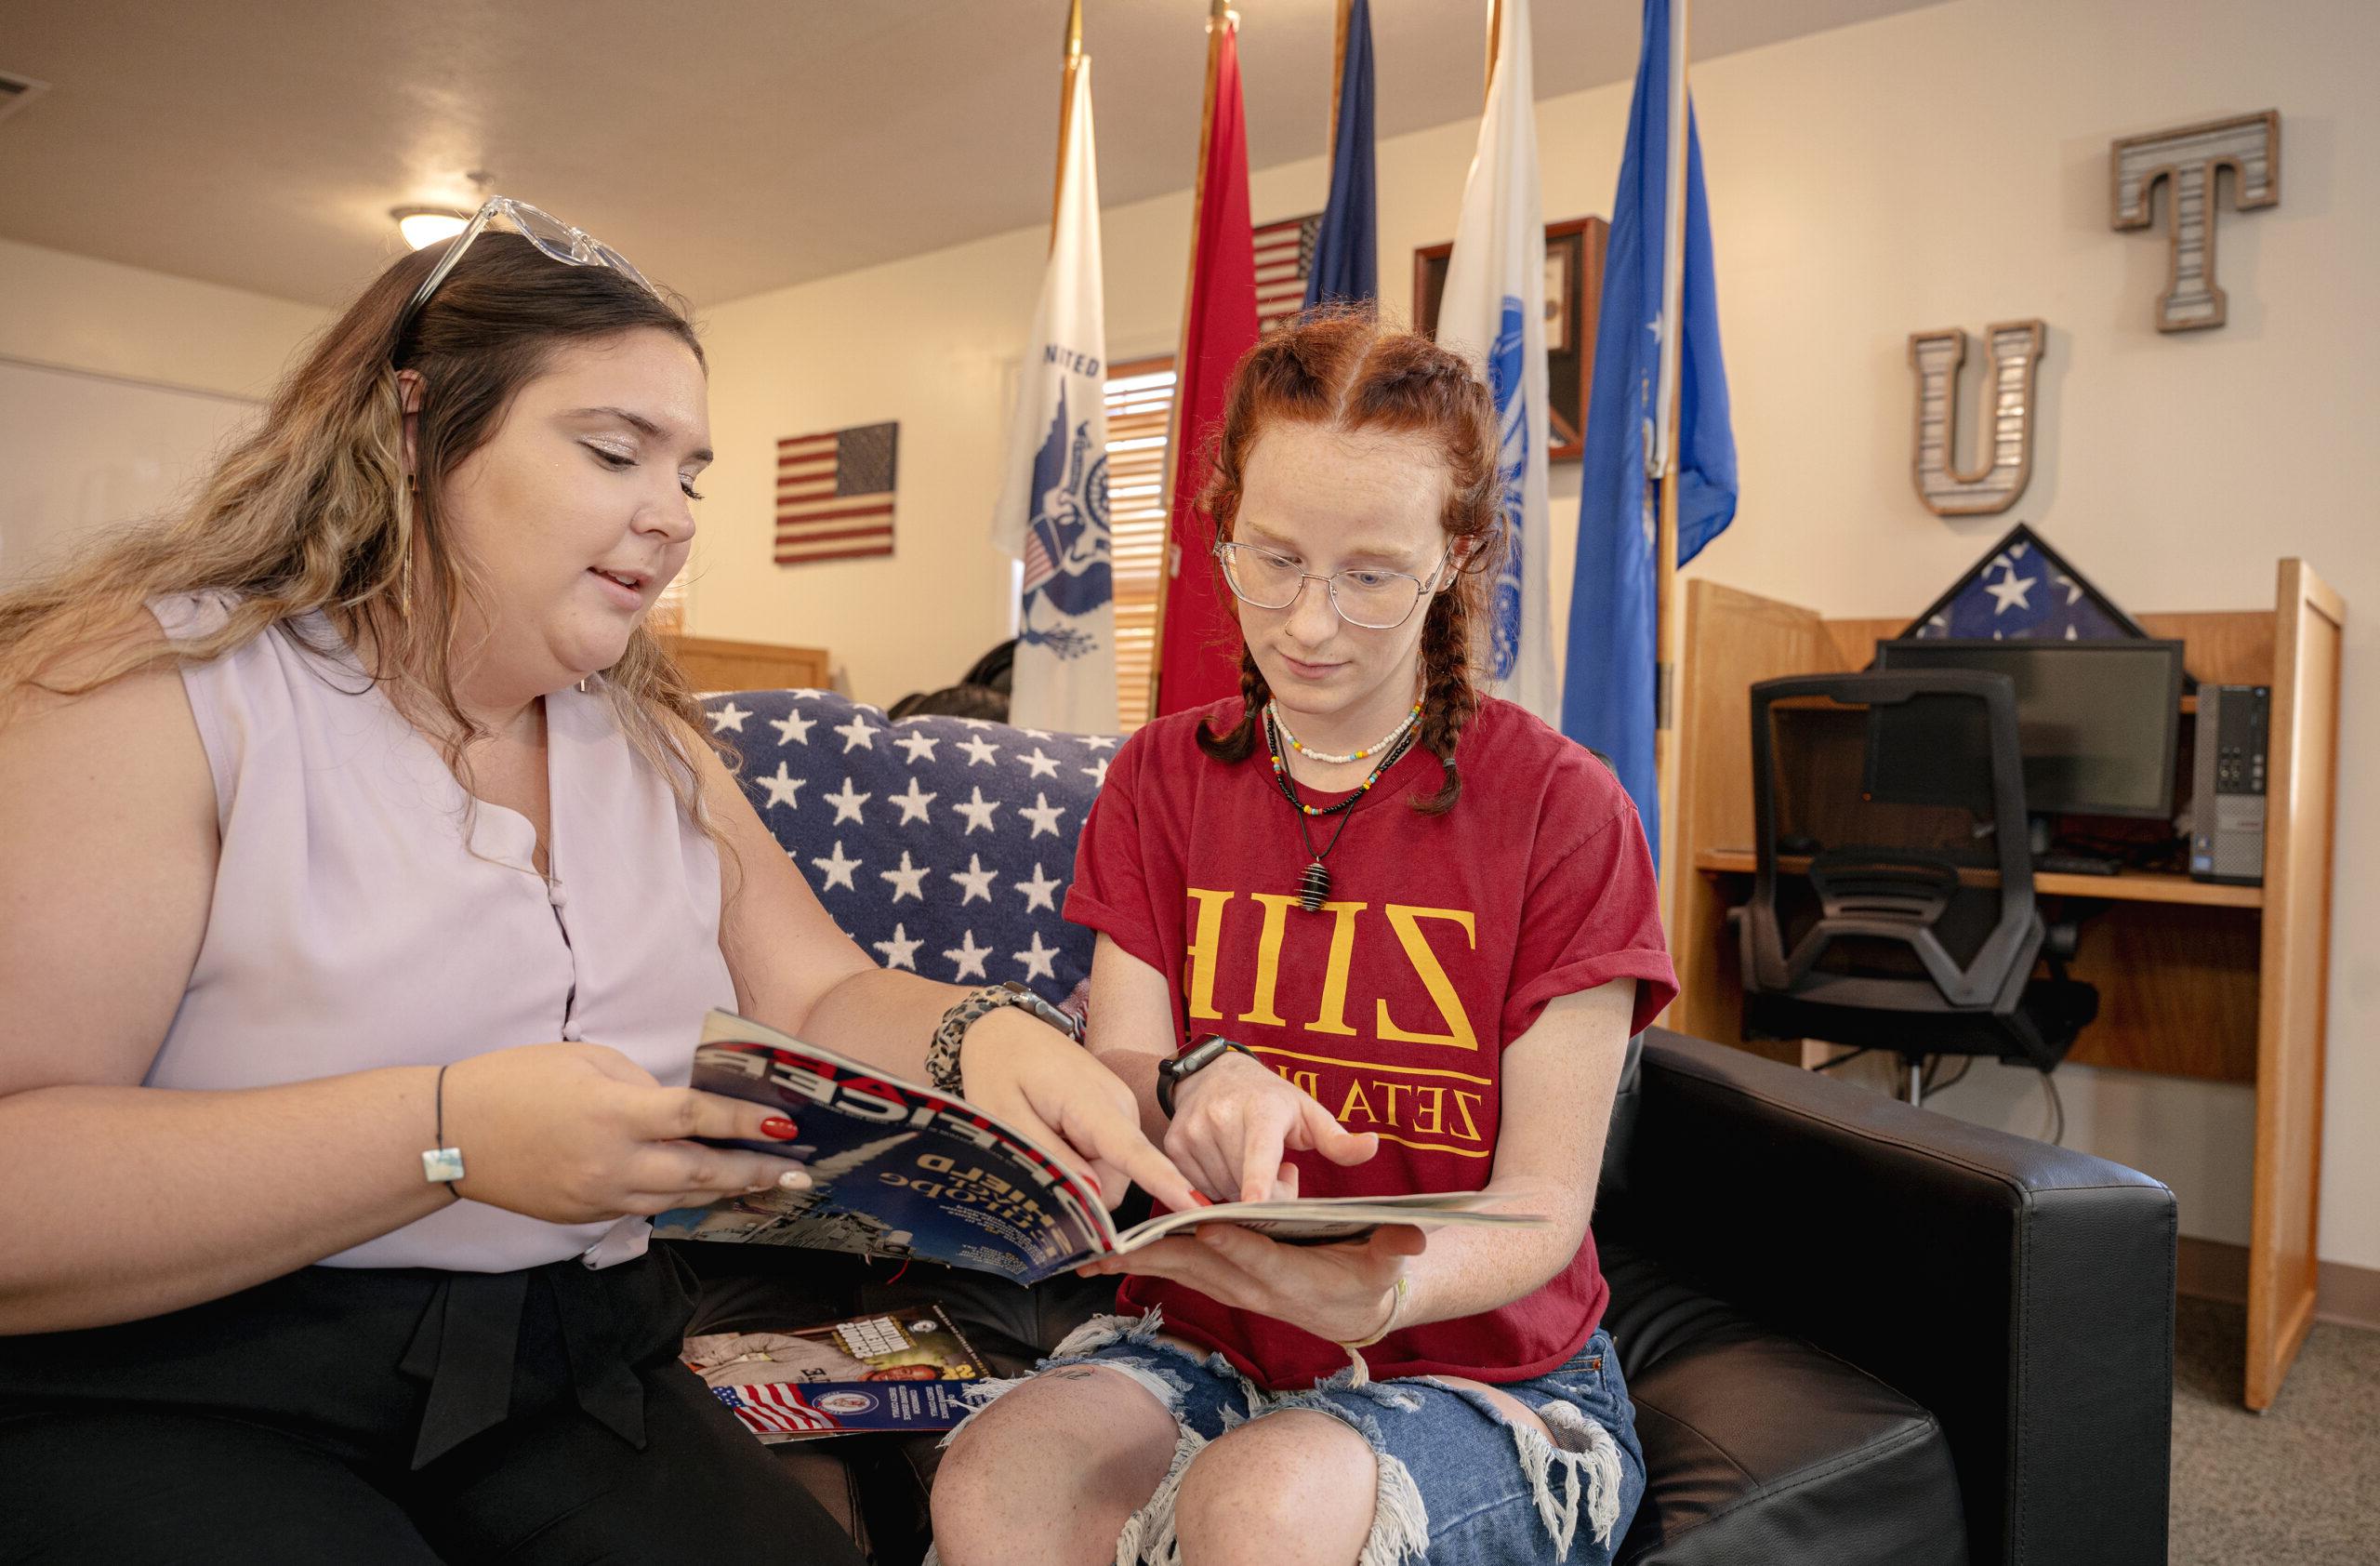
[1459,1484]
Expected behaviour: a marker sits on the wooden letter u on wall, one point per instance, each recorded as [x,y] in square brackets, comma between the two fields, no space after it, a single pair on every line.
[2007,455]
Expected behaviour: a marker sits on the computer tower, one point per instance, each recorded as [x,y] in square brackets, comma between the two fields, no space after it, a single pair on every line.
[2227,804]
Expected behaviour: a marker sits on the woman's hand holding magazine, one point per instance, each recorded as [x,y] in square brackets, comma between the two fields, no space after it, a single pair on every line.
[901,1169]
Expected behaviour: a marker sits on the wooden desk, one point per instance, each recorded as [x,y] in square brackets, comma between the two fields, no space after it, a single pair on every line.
[2219,983]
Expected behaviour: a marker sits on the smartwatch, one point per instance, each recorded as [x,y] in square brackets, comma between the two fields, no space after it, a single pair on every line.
[1201,1054]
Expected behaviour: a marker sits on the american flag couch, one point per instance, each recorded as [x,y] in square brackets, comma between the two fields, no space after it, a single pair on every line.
[942,845]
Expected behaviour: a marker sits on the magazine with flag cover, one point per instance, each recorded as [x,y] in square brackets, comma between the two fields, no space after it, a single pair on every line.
[895,1370]
[901,1171]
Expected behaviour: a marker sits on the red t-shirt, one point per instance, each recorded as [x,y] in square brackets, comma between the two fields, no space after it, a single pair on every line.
[1445,937]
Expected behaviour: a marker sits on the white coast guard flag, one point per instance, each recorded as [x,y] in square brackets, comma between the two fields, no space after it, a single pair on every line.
[1493,311]
[1052,507]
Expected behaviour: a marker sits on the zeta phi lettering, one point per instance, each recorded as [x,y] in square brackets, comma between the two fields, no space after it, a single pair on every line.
[1440,1105]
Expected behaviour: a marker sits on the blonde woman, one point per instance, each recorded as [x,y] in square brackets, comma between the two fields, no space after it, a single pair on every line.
[365,877]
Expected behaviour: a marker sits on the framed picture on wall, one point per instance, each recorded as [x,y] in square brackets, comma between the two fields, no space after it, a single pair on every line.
[1573,289]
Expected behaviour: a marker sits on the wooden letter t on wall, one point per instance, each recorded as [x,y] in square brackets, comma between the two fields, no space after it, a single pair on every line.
[2187,160]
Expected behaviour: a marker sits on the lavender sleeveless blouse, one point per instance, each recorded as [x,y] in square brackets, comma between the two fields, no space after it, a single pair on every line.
[353,926]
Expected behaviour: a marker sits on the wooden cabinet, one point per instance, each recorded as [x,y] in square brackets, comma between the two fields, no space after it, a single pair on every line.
[712,664]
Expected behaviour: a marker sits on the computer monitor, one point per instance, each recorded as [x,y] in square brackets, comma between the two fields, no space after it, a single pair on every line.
[2098,723]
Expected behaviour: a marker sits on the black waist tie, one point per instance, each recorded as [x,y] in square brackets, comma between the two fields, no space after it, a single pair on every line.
[398,1366]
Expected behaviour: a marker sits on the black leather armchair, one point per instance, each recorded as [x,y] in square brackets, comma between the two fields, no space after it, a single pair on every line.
[1855,1331]
[1859,1332]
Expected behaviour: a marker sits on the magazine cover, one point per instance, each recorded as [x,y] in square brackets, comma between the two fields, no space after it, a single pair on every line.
[908,1370]
[903,1171]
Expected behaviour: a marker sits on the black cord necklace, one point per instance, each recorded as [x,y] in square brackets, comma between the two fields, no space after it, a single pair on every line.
[1314,888]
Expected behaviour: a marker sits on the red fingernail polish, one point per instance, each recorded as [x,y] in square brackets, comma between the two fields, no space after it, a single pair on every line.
[779,1127]
[1202,1198]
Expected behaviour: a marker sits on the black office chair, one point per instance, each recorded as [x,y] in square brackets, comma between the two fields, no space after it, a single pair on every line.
[1892,905]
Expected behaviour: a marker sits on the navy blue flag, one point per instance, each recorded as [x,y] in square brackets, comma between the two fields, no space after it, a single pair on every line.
[1608,679]
[942,845]
[1346,253]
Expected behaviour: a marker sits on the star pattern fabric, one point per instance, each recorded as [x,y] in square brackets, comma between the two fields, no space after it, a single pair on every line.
[943,846]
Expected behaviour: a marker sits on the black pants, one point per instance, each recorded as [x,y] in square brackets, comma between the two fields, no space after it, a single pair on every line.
[353,1415]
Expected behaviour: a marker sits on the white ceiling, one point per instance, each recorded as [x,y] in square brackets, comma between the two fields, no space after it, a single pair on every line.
[730,146]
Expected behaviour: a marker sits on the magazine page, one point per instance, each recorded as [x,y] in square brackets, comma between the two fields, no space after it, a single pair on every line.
[1327,1220]
[897,1170]
[907,1369]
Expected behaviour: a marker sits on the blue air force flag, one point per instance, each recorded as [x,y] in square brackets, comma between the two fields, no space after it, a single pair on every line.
[1609,674]
[1052,508]
[1493,310]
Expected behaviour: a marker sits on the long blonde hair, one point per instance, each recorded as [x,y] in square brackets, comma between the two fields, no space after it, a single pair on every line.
[314,511]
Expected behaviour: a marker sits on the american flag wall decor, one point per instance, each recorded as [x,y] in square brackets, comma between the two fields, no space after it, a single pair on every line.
[835,494]
[1284,261]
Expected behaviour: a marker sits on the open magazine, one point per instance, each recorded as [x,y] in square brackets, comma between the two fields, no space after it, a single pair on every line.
[900,1370]
[903,1171]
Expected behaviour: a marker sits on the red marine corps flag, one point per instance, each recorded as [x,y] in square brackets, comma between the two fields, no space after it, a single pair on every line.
[1195,627]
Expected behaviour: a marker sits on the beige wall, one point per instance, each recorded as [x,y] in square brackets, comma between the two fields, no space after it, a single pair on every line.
[1947,167]
[71,312]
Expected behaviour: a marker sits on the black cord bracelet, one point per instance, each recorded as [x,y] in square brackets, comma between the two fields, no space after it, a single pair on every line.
[442,1166]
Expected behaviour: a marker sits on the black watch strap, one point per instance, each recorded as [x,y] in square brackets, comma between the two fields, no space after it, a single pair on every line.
[1201,1054]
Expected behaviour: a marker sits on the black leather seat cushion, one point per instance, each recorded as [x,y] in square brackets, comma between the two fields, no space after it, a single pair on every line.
[1763,1449]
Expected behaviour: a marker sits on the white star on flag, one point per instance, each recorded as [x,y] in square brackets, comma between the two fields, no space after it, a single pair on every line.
[968,956]
[782,789]
[793,728]
[1035,958]
[1097,772]
[839,870]
[1099,742]
[2010,591]
[904,879]
[1043,815]
[919,746]
[847,804]
[979,751]
[978,811]
[728,716]
[1043,766]
[1038,890]
[913,804]
[856,735]
[901,951]
[1036,734]
[975,879]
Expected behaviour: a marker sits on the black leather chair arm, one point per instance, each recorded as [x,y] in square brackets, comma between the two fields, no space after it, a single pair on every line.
[2022,1292]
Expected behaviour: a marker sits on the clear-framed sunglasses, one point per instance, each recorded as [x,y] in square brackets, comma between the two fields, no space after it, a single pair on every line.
[1366,596]
[553,238]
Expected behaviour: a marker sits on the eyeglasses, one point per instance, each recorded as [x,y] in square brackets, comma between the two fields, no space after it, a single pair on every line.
[553,238]
[1362,596]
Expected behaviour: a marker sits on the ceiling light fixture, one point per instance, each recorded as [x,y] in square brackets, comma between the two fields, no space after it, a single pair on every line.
[427,225]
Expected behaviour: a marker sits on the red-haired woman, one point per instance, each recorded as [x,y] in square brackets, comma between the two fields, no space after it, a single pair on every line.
[1421,926]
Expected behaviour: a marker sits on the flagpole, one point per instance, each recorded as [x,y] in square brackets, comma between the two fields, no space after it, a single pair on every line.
[1219,16]
[1667,633]
[1495,42]
[1066,114]
[1337,77]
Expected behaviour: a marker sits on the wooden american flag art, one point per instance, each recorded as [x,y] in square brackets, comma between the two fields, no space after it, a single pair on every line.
[1284,261]
[835,494]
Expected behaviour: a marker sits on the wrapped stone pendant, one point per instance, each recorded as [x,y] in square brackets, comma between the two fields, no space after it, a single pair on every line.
[1314,890]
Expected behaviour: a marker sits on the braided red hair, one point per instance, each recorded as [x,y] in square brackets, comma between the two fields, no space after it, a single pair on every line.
[1342,369]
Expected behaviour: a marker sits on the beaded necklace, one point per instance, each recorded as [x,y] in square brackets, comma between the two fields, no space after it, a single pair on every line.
[1314,888]
[1273,710]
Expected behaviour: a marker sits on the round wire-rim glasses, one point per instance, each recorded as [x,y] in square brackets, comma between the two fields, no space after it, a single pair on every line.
[554,239]
[1372,590]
